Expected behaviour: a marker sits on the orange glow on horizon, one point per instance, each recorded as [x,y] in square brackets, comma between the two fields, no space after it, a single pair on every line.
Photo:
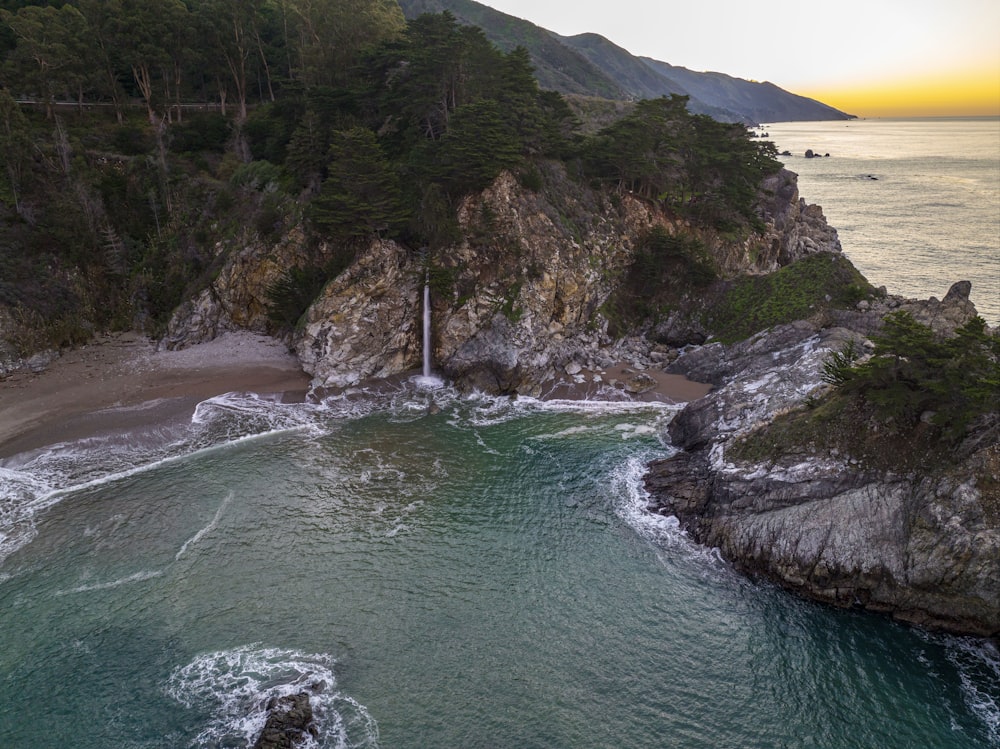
[930,96]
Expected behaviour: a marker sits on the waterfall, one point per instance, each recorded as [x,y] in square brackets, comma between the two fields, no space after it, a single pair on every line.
[427,329]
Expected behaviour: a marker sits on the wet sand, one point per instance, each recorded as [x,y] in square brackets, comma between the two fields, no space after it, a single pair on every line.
[121,382]
[649,385]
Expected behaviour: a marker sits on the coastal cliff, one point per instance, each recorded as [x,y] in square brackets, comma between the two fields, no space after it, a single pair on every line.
[515,300]
[817,513]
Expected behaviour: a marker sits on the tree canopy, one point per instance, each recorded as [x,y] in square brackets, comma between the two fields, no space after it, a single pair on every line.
[914,373]
[146,126]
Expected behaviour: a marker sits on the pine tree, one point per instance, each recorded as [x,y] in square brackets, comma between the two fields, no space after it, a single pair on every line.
[480,143]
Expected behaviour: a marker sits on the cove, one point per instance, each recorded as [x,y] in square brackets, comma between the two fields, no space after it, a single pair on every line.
[481,574]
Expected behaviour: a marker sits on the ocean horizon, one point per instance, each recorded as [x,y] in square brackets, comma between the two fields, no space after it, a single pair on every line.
[915,201]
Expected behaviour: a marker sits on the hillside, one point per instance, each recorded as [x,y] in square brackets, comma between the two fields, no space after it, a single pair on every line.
[591,65]
[558,67]
[115,210]
[761,102]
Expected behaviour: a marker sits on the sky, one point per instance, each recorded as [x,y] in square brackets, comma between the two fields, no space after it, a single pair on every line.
[870,58]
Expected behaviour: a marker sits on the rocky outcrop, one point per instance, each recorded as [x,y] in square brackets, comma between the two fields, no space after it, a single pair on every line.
[289,723]
[237,299]
[795,229]
[366,323]
[529,278]
[922,545]
[516,299]
[522,289]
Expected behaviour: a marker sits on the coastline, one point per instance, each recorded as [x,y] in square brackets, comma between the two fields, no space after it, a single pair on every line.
[120,382]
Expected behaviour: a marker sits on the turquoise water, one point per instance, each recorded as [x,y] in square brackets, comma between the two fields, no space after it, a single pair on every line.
[482,576]
[916,202]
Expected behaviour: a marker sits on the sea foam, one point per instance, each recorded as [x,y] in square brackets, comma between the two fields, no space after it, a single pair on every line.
[234,687]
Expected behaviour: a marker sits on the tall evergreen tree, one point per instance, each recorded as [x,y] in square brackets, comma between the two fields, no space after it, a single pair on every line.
[361,195]
[480,143]
[46,57]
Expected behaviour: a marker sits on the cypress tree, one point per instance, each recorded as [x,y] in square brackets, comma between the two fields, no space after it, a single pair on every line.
[361,195]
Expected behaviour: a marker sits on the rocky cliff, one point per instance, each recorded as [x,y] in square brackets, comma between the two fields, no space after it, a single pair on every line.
[921,543]
[518,297]
[238,297]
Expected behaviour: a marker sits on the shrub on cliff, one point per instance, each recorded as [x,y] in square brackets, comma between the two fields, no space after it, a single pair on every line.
[666,268]
[914,374]
[797,291]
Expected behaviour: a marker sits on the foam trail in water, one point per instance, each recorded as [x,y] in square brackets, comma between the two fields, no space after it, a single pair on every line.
[978,664]
[138,577]
[207,529]
[235,687]
[32,482]
[664,531]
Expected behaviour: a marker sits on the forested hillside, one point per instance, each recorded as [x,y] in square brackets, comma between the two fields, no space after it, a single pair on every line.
[140,137]
[592,66]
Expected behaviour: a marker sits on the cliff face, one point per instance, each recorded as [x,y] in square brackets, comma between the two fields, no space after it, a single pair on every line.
[519,296]
[238,297]
[530,276]
[920,544]
[366,323]
[515,299]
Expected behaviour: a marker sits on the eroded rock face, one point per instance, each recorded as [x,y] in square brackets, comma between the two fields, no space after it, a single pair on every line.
[366,323]
[525,285]
[923,547]
[795,228]
[529,279]
[237,299]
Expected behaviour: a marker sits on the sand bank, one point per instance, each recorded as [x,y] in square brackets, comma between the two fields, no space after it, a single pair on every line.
[94,388]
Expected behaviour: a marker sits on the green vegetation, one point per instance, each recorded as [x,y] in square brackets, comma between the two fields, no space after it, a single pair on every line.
[153,135]
[914,374]
[705,169]
[667,267]
[754,303]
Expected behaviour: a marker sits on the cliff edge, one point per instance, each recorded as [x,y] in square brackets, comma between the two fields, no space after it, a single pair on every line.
[917,540]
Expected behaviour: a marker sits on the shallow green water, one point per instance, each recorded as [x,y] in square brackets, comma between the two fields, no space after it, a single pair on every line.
[480,577]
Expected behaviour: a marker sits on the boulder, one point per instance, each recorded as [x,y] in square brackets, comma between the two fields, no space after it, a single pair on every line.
[366,322]
[289,723]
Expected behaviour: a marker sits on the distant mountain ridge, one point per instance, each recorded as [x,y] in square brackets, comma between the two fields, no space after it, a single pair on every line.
[591,65]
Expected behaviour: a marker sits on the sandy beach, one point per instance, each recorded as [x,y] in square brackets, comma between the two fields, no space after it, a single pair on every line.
[97,387]
[121,382]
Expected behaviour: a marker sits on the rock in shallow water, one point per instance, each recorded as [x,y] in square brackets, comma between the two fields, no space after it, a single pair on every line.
[289,723]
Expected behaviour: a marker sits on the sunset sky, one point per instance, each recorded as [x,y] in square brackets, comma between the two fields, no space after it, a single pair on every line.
[871,58]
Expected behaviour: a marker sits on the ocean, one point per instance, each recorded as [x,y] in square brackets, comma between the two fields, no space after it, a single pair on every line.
[916,202]
[444,571]
[451,571]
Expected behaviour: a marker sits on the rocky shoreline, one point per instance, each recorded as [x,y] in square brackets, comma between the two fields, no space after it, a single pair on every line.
[919,544]
[519,313]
